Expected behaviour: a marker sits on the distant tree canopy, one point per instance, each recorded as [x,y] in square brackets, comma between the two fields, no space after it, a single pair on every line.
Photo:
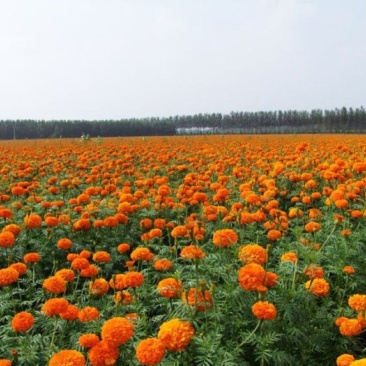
[316,121]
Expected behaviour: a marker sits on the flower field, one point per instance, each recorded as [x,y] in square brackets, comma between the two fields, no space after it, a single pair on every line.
[177,251]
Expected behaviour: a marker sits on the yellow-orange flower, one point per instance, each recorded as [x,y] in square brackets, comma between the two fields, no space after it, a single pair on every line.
[264,310]
[20,267]
[71,313]
[88,340]
[199,298]
[54,306]
[312,226]
[150,351]
[31,258]
[101,256]
[142,254]
[7,239]
[253,253]
[67,358]
[169,287]
[99,287]
[289,257]
[251,277]
[225,237]
[103,354]
[117,331]
[133,279]
[8,276]
[64,243]
[192,252]
[88,314]
[318,286]
[314,271]
[176,334]
[54,284]
[357,302]
[22,321]
[32,221]
[163,264]
[345,360]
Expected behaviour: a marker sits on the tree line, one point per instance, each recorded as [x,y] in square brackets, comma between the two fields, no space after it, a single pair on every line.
[340,120]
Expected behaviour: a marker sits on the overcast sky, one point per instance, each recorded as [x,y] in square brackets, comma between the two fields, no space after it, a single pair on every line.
[113,59]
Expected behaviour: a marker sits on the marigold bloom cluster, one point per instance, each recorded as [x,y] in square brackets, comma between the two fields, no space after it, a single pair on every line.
[192,252]
[169,287]
[318,286]
[264,310]
[117,331]
[253,253]
[22,321]
[225,237]
[67,358]
[150,351]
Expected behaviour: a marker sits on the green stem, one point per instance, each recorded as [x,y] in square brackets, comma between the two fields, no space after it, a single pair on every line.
[327,239]
[249,336]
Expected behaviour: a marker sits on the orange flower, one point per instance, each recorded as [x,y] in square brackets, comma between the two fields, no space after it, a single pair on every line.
[155,233]
[32,258]
[179,231]
[274,235]
[176,334]
[66,274]
[357,302]
[349,327]
[289,257]
[142,254]
[312,226]
[22,321]
[67,358]
[198,298]
[117,282]
[264,310]
[253,253]
[314,272]
[133,279]
[8,276]
[169,287]
[14,229]
[5,362]
[71,313]
[123,248]
[192,252]
[54,306]
[82,225]
[103,354]
[101,257]
[88,340]
[64,244]
[251,276]
[123,297]
[90,271]
[150,351]
[32,221]
[117,331]
[54,284]
[271,279]
[345,360]
[80,263]
[349,270]
[7,239]
[225,237]
[99,287]
[318,286]
[163,264]
[21,268]
[88,314]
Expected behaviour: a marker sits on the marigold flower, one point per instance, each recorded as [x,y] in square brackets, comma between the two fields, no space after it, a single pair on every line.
[155,233]
[192,252]
[264,310]
[345,360]
[225,237]
[198,298]
[117,282]
[133,279]
[88,340]
[101,256]
[253,253]
[32,221]
[142,254]
[5,362]
[169,287]
[312,226]
[67,358]
[117,331]
[270,279]
[251,276]
[21,268]
[349,270]
[318,286]
[22,321]
[176,334]
[357,302]
[80,263]
[360,362]
[103,354]
[66,274]
[13,228]
[81,225]
[314,271]
[150,351]
[274,235]
[123,297]
[54,306]
[179,231]
[146,223]
[64,243]
[54,284]
[90,271]
[289,257]
[99,287]
[163,265]
[71,313]
[7,239]
[8,276]
[123,248]
[350,327]
[32,258]
[88,314]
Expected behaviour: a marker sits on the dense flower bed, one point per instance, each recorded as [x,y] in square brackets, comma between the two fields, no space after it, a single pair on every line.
[210,250]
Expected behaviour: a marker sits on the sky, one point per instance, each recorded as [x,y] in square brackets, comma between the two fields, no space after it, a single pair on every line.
[117,59]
